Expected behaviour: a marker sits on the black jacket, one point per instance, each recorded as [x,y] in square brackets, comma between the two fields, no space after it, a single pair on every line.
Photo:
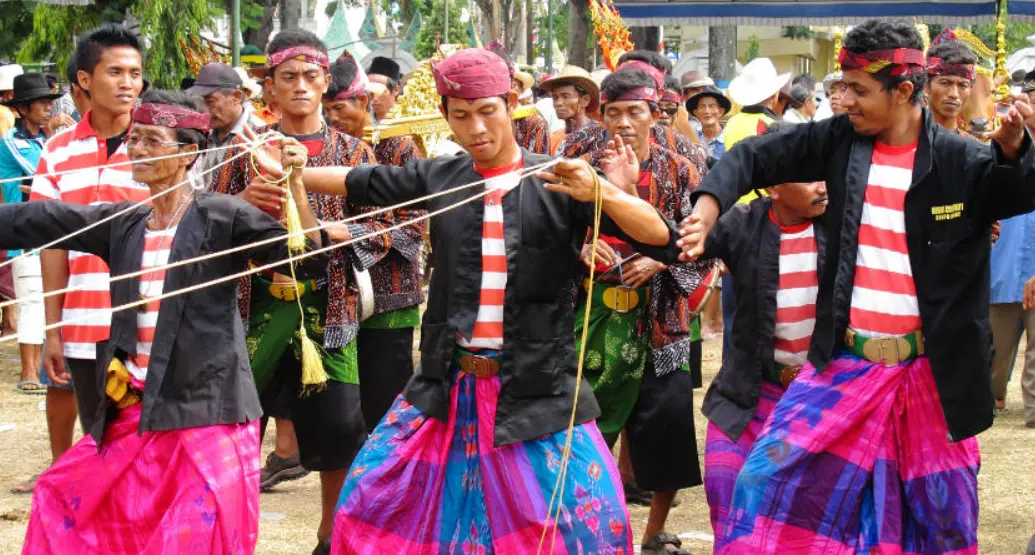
[748,241]
[544,234]
[948,256]
[199,373]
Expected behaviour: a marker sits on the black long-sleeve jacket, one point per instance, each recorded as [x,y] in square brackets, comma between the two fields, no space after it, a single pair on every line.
[543,233]
[748,242]
[198,373]
[967,180]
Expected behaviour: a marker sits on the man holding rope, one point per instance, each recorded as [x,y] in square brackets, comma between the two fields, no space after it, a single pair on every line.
[872,447]
[478,432]
[110,71]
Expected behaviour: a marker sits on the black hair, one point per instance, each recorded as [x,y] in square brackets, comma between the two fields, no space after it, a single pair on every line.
[501,51]
[672,84]
[653,58]
[626,79]
[71,70]
[953,52]
[92,44]
[343,73]
[445,102]
[884,34]
[51,79]
[182,100]
[289,38]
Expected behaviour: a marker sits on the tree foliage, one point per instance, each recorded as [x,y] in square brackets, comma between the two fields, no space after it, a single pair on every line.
[162,25]
[433,27]
[1016,35]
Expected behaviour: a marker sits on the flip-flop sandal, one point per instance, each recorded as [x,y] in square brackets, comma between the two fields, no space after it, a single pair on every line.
[26,487]
[659,543]
[30,387]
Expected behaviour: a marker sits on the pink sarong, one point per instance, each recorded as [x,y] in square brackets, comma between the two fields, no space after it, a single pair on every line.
[182,491]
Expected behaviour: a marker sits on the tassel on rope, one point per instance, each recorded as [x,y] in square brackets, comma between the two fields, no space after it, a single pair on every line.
[296,236]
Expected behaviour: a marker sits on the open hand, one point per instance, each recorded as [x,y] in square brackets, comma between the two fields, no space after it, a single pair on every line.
[267,196]
[574,178]
[620,165]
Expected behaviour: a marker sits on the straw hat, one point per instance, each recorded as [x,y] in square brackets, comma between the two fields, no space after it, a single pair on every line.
[575,75]
[757,82]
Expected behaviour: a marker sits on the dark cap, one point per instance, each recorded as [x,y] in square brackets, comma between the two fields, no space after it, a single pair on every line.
[29,87]
[213,77]
[385,66]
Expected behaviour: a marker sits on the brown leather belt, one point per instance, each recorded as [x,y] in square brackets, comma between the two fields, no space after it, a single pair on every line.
[478,366]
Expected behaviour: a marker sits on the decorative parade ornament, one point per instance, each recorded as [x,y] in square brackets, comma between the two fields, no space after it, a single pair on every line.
[612,34]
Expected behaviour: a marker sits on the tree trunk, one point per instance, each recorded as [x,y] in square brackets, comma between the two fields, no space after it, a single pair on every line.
[260,36]
[646,38]
[515,31]
[529,29]
[722,52]
[578,34]
[290,13]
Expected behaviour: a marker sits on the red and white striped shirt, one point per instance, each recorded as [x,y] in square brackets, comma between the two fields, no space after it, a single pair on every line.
[884,296]
[80,147]
[488,326]
[157,246]
[796,294]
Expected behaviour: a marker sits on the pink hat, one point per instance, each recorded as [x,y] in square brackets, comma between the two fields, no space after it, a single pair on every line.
[472,73]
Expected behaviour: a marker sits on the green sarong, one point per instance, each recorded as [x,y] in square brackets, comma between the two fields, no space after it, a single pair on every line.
[616,353]
[408,317]
[273,327]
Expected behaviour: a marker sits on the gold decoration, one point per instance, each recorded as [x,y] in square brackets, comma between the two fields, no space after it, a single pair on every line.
[612,34]
[839,34]
[416,112]
[925,34]
[1000,75]
[974,43]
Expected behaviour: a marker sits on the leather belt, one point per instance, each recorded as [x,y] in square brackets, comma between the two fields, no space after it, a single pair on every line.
[477,365]
[888,351]
[781,374]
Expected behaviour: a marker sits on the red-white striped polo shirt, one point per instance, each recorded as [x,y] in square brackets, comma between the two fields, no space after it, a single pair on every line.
[884,295]
[80,147]
[796,294]
[488,326]
[157,246]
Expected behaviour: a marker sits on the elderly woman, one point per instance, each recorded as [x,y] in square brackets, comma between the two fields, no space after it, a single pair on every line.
[709,107]
[171,464]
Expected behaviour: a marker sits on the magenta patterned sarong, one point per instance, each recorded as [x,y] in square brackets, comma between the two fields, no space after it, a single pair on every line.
[191,491]
[723,459]
[425,487]
[856,459]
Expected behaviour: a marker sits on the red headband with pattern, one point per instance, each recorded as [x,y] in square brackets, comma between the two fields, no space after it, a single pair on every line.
[646,94]
[171,116]
[656,74]
[902,61]
[306,54]
[671,96]
[937,66]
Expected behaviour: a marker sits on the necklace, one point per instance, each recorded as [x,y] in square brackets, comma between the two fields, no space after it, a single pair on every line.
[161,241]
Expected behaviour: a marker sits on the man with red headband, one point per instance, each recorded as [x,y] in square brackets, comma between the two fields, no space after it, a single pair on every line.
[385,339]
[328,422]
[872,447]
[478,434]
[641,341]
[950,79]
[594,137]
[532,132]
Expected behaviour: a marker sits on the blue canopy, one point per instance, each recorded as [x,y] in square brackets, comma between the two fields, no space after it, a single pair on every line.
[814,12]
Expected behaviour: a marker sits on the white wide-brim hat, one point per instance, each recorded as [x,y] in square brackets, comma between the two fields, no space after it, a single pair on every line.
[757,82]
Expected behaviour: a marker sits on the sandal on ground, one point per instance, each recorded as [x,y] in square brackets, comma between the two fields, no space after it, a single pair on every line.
[31,387]
[663,543]
[26,487]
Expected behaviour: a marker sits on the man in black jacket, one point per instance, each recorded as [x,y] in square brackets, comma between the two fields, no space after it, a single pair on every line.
[872,445]
[774,249]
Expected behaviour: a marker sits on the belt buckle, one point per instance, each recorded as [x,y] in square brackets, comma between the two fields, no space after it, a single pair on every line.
[890,350]
[285,291]
[623,299]
[788,374]
[481,366]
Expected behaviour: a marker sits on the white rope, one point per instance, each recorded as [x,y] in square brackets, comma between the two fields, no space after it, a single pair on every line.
[131,162]
[524,172]
[128,209]
[279,263]
[259,269]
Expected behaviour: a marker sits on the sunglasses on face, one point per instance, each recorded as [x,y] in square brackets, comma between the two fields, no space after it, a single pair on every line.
[670,111]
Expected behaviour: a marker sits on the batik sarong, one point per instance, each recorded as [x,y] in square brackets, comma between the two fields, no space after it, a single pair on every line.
[190,491]
[616,353]
[856,459]
[723,459]
[421,486]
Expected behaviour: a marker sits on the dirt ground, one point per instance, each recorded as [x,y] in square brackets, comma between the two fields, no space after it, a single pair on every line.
[291,513]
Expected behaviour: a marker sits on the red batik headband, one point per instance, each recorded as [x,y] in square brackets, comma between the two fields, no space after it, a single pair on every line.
[671,96]
[656,74]
[171,116]
[902,61]
[306,54]
[640,93]
[937,66]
